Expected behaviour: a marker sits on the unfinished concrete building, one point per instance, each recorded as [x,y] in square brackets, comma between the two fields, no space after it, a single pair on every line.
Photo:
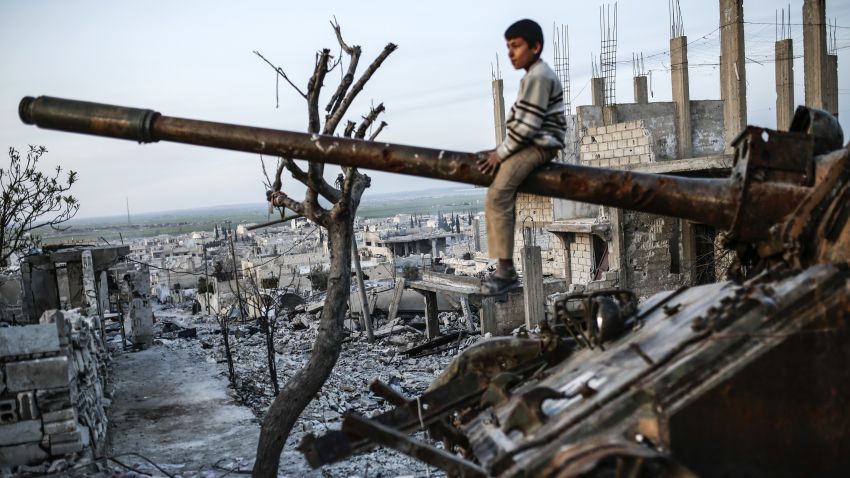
[602,247]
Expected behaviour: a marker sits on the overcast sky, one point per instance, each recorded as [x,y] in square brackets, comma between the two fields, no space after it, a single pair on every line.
[194,59]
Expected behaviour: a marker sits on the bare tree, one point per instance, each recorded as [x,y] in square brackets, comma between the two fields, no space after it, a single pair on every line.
[338,220]
[31,200]
[264,302]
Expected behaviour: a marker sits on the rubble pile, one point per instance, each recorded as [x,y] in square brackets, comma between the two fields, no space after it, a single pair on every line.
[52,402]
[347,388]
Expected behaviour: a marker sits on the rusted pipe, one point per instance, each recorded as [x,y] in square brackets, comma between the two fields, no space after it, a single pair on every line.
[703,200]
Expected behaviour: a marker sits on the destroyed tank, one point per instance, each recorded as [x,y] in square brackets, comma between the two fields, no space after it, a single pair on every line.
[745,377]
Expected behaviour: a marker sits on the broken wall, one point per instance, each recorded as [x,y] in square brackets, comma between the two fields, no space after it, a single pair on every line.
[51,389]
[659,122]
[653,253]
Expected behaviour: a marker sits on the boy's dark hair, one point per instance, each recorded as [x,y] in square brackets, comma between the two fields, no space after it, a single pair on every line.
[528,30]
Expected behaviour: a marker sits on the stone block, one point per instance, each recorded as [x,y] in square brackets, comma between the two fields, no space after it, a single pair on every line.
[36,374]
[60,427]
[621,126]
[643,141]
[58,416]
[26,406]
[53,400]
[25,431]
[28,339]
[26,454]
[65,437]
[60,449]
[616,136]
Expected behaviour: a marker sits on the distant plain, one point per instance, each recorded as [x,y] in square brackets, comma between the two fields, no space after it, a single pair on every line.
[113,229]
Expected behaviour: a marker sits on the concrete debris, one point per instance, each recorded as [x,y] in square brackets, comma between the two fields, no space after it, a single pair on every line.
[52,403]
[346,388]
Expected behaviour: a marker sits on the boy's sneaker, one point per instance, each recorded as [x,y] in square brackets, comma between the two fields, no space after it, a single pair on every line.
[495,285]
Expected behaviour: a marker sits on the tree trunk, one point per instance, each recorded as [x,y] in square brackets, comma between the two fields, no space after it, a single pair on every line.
[303,386]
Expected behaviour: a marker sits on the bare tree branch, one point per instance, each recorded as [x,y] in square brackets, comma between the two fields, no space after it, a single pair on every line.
[336,117]
[352,51]
[280,199]
[349,129]
[368,120]
[280,72]
[325,189]
[377,131]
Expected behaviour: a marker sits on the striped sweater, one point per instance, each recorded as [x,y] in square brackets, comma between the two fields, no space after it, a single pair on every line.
[537,117]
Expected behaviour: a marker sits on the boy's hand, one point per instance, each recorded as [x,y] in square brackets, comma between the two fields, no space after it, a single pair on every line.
[489,164]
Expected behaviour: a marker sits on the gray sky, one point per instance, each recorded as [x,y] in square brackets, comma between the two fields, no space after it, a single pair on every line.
[194,59]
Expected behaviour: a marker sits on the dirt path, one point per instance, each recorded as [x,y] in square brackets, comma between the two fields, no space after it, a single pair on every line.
[172,407]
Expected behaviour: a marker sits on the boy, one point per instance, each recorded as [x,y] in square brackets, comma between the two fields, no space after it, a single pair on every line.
[535,132]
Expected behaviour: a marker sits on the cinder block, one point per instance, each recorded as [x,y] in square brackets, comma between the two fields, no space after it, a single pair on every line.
[8,411]
[26,406]
[618,135]
[585,140]
[60,427]
[37,374]
[618,152]
[643,141]
[608,154]
[28,339]
[53,400]
[26,431]
[66,437]
[26,454]
[621,126]
[601,146]
[65,448]
[622,143]
[58,416]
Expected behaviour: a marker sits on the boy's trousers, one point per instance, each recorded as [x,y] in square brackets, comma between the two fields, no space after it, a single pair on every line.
[500,203]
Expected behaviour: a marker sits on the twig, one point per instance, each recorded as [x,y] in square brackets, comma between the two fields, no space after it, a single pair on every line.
[280,72]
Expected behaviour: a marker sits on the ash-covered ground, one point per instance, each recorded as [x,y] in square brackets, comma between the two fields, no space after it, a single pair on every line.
[347,388]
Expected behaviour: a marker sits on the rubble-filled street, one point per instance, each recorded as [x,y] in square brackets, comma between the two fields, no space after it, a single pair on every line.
[174,407]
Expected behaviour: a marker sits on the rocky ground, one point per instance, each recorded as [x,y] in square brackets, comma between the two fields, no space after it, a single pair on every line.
[346,388]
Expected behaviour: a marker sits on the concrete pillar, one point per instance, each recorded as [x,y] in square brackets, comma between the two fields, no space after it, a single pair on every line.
[641,90]
[89,284]
[467,312]
[609,115]
[681,94]
[814,52]
[532,285]
[39,288]
[476,234]
[432,322]
[488,316]
[617,254]
[499,110]
[104,293]
[732,68]
[597,91]
[397,294]
[832,84]
[76,295]
[784,66]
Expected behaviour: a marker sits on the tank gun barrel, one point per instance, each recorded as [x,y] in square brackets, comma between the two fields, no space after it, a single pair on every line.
[713,201]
